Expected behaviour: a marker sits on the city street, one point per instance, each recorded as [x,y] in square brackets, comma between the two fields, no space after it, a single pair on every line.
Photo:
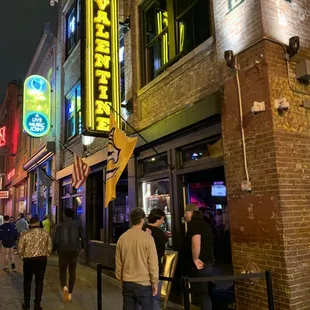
[84,297]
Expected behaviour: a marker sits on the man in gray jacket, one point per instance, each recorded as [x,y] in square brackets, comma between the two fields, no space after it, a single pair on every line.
[68,242]
[21,224]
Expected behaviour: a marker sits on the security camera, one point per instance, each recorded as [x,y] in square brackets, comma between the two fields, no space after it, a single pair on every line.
[294,45]
[258,107]
[230,59]
[282,104]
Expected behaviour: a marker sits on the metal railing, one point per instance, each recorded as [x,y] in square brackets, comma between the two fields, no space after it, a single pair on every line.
[186,280]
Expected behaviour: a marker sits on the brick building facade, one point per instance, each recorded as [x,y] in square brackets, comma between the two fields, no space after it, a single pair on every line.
[184,101]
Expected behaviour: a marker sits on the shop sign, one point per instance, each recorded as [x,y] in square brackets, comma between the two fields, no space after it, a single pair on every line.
[3,136]
[4,194]
[100,67]
[37,106]
[11,174]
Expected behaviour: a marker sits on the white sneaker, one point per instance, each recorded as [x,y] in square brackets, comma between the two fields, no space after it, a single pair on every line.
[69,297]
[66,294]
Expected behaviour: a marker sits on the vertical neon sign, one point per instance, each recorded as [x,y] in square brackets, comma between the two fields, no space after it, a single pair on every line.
[100,65]
[37,101]
[3,136]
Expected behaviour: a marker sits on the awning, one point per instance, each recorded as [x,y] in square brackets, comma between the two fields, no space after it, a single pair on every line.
[44,154]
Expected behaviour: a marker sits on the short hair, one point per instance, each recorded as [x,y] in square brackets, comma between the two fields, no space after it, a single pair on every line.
[155,215]
[34,221]
[22,215]
[136,215]
[69,213]
[197,215]
[6,218]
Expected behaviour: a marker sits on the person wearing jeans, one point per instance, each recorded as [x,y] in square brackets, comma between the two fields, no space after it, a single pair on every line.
[34,246]
[137,264]
[198,255]
[68,242]
[155,220]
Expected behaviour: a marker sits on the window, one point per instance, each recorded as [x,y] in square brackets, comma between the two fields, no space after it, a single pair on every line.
[156,194]
[73,112]
[154,164]
[171,29]
[203,150]
[73,26]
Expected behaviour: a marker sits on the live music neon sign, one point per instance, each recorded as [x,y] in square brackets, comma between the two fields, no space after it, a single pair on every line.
[3,136]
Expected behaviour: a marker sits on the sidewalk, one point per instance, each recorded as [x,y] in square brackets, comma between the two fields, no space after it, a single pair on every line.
[84,296]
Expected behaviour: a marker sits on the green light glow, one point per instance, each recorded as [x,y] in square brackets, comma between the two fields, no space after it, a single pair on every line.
[37,103]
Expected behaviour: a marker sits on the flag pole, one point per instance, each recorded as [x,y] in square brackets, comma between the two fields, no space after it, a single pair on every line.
[53,179]
[139,134]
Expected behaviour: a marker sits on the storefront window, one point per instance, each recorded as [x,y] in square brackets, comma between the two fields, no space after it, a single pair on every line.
[199,151]
[66,204]
[154,164]
[156,194]
[78,205]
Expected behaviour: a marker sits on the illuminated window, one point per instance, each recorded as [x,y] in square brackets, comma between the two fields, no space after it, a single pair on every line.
[73,112]
[73,26]
[171,29]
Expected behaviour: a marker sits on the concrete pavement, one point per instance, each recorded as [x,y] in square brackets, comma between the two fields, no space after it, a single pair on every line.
[84,296]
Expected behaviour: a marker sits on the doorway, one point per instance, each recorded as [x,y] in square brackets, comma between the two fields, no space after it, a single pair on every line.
[207,189]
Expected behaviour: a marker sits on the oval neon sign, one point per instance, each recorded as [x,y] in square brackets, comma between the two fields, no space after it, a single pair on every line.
[37,101]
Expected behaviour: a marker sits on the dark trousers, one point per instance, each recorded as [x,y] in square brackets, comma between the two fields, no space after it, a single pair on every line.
[67,260]
[34,266]
[200,290]
[135,294]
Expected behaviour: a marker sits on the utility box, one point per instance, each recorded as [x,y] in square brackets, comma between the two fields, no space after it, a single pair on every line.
[303,70]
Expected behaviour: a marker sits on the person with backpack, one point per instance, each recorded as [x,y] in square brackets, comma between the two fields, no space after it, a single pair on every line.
[8,236]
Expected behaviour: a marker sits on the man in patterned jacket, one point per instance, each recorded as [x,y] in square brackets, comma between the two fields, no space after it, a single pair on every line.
[34,246]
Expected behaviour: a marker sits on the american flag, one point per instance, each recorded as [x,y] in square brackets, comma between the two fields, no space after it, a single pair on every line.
[80,172]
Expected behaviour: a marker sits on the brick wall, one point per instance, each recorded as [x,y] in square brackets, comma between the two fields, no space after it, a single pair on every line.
[200,72]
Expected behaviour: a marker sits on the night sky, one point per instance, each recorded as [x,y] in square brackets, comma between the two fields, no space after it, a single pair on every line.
[21,26]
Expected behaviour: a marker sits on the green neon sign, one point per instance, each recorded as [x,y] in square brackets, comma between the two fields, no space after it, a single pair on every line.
[37,103]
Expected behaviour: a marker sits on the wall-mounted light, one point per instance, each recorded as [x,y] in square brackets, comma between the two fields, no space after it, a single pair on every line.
[294,45]
[230,59]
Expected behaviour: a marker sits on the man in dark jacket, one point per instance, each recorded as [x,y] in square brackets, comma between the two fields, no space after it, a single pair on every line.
[155,220]
[8,235]
[68,242]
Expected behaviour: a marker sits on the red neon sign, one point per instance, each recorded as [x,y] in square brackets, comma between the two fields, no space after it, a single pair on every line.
[3,136]
[11,174]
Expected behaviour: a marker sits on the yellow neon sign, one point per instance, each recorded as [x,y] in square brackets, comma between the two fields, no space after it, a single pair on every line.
[101,66]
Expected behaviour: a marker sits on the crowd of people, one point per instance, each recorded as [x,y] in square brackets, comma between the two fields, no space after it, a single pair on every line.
[34,243]
[139,255]
[144,246]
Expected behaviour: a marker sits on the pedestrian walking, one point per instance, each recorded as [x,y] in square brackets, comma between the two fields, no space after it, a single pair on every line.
[47,224]
[198,254]
[68,242]
[21,224]
[137,264]
[155,220]
[8,236]
[34,246]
